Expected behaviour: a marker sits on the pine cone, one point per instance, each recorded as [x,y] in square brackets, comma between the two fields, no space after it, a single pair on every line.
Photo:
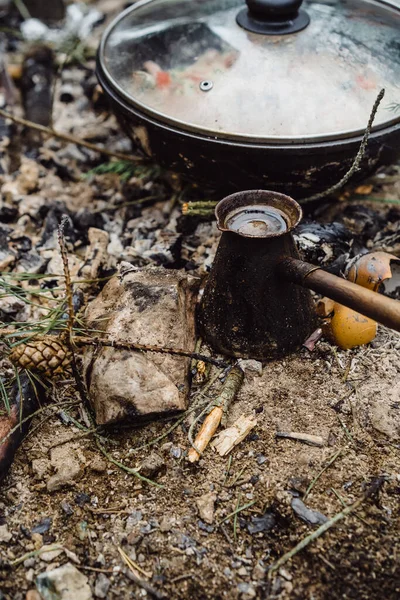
[48,355]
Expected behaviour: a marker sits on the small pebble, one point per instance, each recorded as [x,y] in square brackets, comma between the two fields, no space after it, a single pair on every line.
[29,562]
[247,590]
[204,527]
[134,518]
[66,508]
[176,452]
[33,595]
[102,586]
[5,535]
[98,465]
[82,499]
[43,526]
[152,465]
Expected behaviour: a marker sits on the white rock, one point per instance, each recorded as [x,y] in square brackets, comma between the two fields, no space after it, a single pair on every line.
[64,583]
[66,461]
[205,505]
[5,535]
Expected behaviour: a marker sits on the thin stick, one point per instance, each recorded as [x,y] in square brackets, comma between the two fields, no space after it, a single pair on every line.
[71,315]
[96,569]
[312,440]
[372,490]
[88,341]
[207,430]
[68,138]
[356,163]
[314,481]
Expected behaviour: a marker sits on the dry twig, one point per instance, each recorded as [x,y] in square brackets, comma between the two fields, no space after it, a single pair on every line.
[68,138]
[312,440]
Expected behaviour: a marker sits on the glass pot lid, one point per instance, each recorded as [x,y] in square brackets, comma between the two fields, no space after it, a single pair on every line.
[198,65]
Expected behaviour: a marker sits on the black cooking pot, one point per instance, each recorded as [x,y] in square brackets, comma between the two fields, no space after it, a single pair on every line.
[268,96]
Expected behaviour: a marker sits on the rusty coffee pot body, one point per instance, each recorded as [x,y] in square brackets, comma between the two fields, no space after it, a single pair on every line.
[246,309]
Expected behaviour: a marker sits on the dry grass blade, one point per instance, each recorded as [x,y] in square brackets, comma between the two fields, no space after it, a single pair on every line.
[67,277]
[236,511]
[34,553]
[372,490]
[134,577]
[328,464]
[131,563]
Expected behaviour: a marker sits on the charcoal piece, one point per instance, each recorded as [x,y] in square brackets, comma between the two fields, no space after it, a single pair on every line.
[82,499]
[264,523]
[46,11]
[362,221]
[322,244]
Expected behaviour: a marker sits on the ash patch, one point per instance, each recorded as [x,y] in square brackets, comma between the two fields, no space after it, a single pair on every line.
[144,296]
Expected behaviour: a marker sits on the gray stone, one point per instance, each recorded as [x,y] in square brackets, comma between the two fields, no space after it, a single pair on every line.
[134,518]
[151,306]
[310,516]
[152,465]
[247,590]
[102,586]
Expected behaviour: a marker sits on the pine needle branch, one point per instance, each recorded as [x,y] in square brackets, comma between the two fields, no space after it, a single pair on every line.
[357,161]
[88,341]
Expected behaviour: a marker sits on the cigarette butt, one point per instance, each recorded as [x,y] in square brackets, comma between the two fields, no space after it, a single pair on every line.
[209,427]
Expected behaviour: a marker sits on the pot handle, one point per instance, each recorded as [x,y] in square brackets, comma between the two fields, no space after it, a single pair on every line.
[371,304]
[273,17]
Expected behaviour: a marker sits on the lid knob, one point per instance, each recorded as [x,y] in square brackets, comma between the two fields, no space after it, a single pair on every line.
[273,17]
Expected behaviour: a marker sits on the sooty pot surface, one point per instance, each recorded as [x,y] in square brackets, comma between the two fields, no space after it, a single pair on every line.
[247,309]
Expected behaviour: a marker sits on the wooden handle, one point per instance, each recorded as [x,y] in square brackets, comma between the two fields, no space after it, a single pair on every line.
[371,304]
